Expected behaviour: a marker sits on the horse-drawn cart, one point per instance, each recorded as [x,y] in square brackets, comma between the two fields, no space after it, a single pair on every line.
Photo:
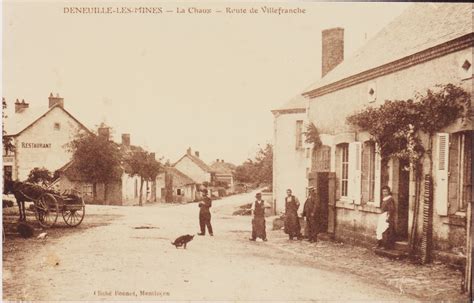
[70,205]
[48,204]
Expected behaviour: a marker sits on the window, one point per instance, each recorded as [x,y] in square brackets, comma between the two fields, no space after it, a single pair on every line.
[57,126]
[179,192]
[368,167]
[7,172]
[460,171]
[299,133]
[344,169]
[87,189]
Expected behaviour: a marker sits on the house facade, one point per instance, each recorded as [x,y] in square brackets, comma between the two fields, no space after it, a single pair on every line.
[426,46]
[40,137]
[176,187]
[292,156]
[224,173]
[192,166]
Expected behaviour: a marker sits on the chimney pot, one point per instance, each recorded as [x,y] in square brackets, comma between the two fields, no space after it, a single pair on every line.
[55,100]
[20,107]
[126,140]
[196,153]
[332,49]
[104,132]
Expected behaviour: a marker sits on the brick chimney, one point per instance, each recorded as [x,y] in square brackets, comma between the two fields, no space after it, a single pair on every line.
[104,132]
[152,156]
[196,153]
[21,106]
[55,100]
[126,140]
[189,151]
[332,49]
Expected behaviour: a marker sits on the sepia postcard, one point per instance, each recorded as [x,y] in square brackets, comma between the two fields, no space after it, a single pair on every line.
[273,151]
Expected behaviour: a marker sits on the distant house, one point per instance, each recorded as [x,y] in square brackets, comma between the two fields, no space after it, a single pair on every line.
[192,166]
[224,172]
[175,186]
[124,190]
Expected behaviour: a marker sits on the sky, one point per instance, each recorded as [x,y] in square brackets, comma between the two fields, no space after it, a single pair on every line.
[173,81]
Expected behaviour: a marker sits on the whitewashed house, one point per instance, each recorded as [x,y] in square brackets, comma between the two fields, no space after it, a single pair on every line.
[40,136]
[291,155]
[427,45]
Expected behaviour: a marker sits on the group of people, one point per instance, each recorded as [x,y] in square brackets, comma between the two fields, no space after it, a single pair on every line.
[311,211]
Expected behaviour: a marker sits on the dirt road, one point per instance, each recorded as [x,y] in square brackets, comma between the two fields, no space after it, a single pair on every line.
[132,259]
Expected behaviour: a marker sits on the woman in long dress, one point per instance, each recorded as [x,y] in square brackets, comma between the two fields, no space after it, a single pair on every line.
[388,206]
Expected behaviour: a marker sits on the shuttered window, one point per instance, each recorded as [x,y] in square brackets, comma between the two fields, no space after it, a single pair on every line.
[299,134]
[441,185]
[344,169]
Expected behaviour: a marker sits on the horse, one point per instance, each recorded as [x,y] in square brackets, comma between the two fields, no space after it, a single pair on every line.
[23,191]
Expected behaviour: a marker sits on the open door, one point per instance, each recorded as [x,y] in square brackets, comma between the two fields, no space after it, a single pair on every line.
[403,200]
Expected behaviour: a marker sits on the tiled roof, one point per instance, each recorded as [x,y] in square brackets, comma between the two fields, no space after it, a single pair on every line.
[297,102]
[15,123]
[419,27]
[223,167]
[197,161]
[179,178]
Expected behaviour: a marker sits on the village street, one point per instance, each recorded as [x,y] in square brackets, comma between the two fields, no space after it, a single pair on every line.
[133,253]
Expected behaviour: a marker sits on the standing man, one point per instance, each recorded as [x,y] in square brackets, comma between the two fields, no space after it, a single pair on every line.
[258,221]
[311,212]
[205,214]
[292,222]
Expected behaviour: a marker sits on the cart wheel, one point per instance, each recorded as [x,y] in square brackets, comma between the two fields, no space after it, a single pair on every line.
[74,217]
[46,210]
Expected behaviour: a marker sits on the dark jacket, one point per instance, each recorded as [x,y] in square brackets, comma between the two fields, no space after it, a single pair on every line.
[205,205]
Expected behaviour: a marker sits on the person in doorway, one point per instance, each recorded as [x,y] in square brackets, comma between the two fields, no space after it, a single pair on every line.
[388,209]
[292,223]
[311,212]
[258,221]
[205,214]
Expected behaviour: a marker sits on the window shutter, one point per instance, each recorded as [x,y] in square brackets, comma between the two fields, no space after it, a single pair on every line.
[442,165]
[377,177]
[355,171]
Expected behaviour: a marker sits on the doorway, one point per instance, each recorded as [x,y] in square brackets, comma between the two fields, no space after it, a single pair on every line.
[403,199]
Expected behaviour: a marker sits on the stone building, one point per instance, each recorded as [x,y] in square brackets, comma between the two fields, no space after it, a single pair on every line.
[426,46]
[291,155]
[192,166]
[224,172]
[175,186]
[40,137]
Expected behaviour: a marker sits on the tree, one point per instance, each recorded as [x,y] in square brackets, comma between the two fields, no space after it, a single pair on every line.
[40,176]
[97,160]
[143,164]
[258,170]
[6,140]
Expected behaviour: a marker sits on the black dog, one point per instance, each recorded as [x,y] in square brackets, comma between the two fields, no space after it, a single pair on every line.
[182,241]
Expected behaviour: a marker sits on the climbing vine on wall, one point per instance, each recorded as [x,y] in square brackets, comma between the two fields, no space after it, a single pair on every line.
[312,136]
[396,125]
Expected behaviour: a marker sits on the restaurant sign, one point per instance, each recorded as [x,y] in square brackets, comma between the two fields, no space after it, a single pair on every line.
[35,145]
